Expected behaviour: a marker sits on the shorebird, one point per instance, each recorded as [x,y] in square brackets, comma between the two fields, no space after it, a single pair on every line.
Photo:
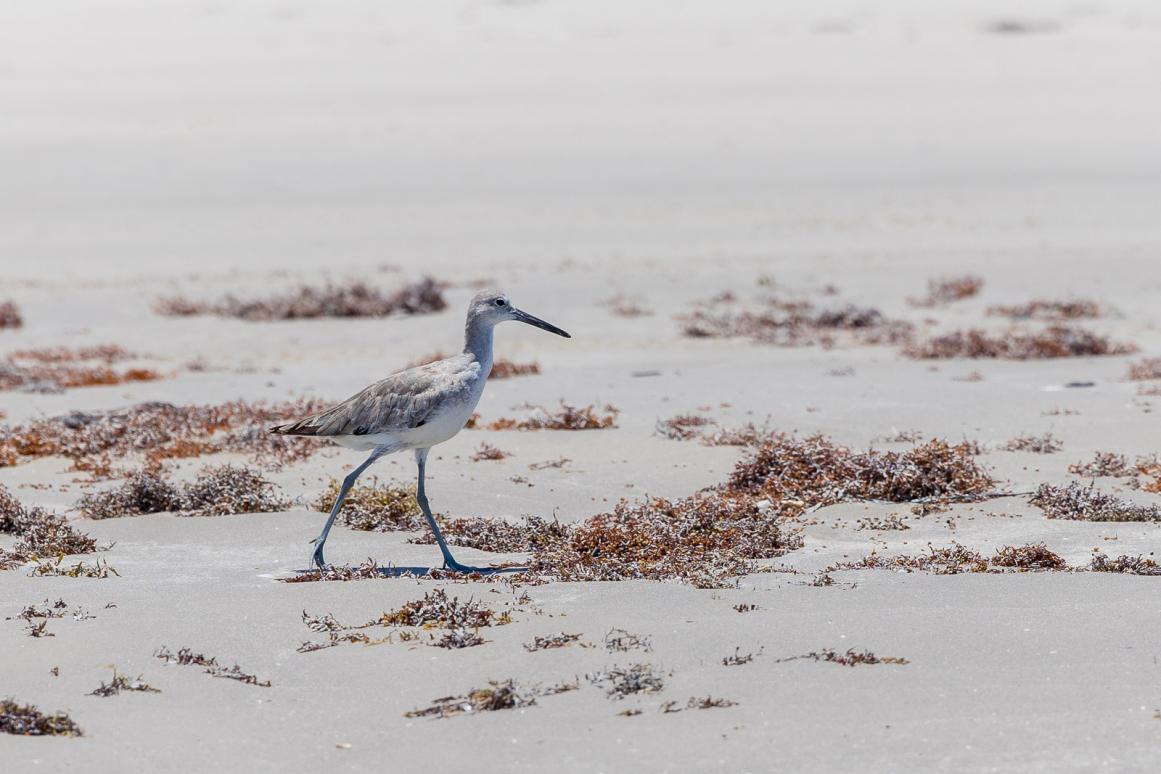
[415,409]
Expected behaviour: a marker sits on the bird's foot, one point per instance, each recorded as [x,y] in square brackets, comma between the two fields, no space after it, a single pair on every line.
[316,557]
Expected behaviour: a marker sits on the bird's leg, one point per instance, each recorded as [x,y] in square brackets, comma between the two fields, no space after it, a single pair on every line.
[348,482]
[449,562]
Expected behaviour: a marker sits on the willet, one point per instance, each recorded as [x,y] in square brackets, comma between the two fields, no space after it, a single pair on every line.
[416,409]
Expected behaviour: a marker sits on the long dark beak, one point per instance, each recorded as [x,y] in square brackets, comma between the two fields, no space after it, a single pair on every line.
[527,318]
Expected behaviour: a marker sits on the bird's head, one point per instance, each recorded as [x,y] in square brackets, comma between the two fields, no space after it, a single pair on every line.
[492,307]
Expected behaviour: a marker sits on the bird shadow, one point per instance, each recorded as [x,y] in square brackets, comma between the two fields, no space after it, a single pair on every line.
[419,572]
[396,572]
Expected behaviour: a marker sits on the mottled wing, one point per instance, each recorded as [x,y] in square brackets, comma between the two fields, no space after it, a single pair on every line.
[402,401]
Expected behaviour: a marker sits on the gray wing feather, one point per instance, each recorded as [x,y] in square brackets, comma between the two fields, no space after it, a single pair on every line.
[402,401]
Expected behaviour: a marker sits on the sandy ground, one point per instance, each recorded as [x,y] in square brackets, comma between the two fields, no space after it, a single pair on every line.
[570,151]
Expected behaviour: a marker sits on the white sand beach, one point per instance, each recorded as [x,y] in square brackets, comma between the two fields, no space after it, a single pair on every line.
[569,153]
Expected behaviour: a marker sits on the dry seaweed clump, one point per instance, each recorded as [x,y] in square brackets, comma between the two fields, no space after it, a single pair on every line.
[551,641]
[1081,503]
[625,306]
[161,431]
[436,610]
[1104,464]
[353,299]
[951,560]
[499,695]
[682,427]
[1049,311]
[705,702]
[488,452]
[1053,342]
[957,559]
[796,473]
[121,683]
[949,290]
[566,418]
[56,369]
[217,491]
[373,508]
[1149,368]
[27,720]
[495,535]
[186,657]
[1036,444]
[798,324]
[40,534]
[850,658]
[1030,557]
[10,316]
[1130,565]
[620,682]
[706,540]
[506,369]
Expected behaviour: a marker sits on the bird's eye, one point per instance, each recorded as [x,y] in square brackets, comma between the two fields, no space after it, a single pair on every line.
[500,302]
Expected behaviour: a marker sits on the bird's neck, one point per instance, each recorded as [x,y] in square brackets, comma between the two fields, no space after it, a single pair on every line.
[478,342]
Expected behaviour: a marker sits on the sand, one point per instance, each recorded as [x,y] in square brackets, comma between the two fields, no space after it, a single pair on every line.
[570,152]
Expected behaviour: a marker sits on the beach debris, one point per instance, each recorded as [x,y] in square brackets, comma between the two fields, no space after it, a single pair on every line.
[160,431]
[568,417]
[739,658]
[40,534]
[748,434]
[951,560]
[707,702]
[186,657]
[1130,565]
[956,559]
[498,695]
[682,427]
[487,451]
[27,720]
[10,316]
[707,540]
[503,368]
[1056,341]
[57,369]
[796,324]
[352,299]
[795,473]
[745,607]
[495,535]
[1034,556]
[948,290]
[887,523]
[1144,370]
[368,569]
[621,305]
[436,609]
[621,641]
[1050,311]
[559,462]
[1036,444]
[620,682]
[851,657]
[1082,503]
[55,567]
[551,641]
[1102,465]
[121,683]
[374,508]
[217,491]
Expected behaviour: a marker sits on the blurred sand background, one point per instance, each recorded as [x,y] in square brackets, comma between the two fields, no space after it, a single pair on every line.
[569,152]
